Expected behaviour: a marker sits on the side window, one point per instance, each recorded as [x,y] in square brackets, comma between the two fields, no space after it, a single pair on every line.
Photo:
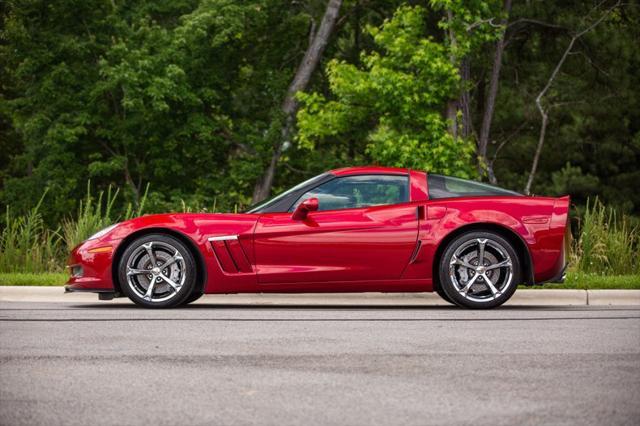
[451,187]
[359,191]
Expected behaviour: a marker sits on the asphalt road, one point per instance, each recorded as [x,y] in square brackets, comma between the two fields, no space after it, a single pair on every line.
[70,363]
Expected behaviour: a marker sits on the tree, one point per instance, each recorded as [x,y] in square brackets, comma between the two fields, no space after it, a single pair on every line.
[490,101]
[541,108]
[395,99]
[309,63]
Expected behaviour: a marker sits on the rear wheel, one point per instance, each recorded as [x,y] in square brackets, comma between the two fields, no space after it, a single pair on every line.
[157,271]
[479,270]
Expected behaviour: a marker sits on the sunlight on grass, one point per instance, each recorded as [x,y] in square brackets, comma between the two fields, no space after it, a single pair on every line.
[43,279]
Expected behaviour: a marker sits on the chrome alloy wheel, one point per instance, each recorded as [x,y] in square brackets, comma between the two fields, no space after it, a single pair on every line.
[156,271]
[481,270]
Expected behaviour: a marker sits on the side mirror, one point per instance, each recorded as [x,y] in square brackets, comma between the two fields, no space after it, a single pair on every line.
[303,209]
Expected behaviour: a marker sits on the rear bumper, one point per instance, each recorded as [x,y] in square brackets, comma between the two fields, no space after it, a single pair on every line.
[559,278]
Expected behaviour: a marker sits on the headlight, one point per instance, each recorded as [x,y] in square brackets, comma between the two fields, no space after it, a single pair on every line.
[102,232]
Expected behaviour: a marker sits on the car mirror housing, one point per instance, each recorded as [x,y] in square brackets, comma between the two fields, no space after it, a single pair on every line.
[303,209]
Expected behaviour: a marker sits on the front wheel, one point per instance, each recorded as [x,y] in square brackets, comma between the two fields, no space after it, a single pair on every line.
[157,271]
[479,270]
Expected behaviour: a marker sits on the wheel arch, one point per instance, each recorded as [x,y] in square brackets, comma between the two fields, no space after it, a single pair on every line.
[201,271]
[516,240]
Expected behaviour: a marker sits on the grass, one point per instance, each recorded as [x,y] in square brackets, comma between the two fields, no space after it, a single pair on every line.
[26,245]
[608,244]
[41,279]
[585,281]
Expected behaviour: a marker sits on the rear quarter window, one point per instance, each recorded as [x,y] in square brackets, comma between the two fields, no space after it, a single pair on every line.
[451,187]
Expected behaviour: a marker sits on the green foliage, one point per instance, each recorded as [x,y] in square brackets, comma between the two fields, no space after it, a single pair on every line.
[95,214]
[608,244]
[186,95]
[395,100]
[26,245]
[91,217]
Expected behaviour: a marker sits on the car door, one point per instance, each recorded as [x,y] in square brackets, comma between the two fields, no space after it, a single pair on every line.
[365,229]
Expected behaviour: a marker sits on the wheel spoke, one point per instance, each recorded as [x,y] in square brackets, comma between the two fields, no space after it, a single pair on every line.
[492,287]
[169,281]
[149,248]
[499,265]
[466,288]
[176,257]
[481,244]
[148,296]
[133,271]
[455,260]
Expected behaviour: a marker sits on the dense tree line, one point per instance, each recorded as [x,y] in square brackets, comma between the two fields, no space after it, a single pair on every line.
[225,101]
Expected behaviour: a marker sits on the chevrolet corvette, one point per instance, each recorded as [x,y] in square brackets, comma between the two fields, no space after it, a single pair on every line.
[357,229]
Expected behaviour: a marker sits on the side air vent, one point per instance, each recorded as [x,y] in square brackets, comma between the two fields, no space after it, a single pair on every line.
[230,254]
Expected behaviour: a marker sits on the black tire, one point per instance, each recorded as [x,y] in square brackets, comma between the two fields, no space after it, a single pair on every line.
[443,295]
[195,295]
[494,284]
[172,285]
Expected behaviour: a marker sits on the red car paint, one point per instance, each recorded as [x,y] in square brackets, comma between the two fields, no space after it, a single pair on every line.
[381,248]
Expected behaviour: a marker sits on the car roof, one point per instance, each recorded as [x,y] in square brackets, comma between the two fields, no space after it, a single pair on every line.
[346,171]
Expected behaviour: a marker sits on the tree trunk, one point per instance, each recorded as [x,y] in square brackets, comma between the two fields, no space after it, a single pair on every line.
[536,157]
[490,102]
[452,105]
[299,83]
[459,126]
[464,103]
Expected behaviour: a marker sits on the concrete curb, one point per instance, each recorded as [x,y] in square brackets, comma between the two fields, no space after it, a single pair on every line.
[522,297]
[613,297]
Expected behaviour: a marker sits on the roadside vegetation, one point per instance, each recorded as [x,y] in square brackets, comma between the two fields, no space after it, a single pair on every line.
[605,249]
[218,104]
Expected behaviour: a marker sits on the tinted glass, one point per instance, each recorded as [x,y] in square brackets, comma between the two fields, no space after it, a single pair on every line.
[451,187]
[351,192]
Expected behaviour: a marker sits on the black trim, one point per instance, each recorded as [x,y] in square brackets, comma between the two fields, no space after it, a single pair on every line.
[416,250]
[69,289]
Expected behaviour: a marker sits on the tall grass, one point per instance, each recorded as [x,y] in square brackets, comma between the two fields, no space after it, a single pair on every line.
[95,214]
[26,245]
[92,216]
[608,244]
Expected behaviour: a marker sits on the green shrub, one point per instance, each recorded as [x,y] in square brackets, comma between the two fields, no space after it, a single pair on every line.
[26,245]
[96,214]
[607,242]
[91,217]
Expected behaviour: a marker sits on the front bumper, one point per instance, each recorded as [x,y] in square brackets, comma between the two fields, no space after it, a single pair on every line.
[90,265]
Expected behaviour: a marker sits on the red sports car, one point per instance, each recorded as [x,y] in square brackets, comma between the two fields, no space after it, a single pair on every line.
[348,230]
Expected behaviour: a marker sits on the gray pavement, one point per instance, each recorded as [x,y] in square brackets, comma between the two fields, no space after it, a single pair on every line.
[84,363]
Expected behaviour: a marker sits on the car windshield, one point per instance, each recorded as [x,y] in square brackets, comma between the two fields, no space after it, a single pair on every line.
[260,205]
